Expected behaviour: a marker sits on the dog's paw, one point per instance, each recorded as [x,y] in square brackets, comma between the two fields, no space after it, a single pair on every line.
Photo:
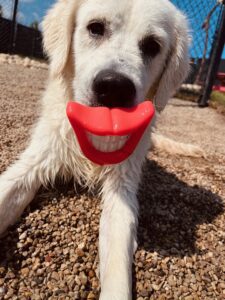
[112,295]
[115,290]
[7,197]
[14,197]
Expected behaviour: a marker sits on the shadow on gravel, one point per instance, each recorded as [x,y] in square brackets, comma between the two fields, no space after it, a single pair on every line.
[10,257]
[170,210]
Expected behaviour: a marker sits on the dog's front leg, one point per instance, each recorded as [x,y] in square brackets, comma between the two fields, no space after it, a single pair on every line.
[38,164]
[118,236]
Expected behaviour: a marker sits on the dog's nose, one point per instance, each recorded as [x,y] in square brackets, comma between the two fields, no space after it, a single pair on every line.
[113,89]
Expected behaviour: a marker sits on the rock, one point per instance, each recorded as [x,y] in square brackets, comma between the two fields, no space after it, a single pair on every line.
[55,276]
[144,293]
[2,290]
[25,271]
[10,275]
[81,246]
[79,252]
[91,295]
[27,62]
[77,280]
[83,278]
[36,264]
[94,284]
[91,274]
[23,236]
[156,287]
[171,280]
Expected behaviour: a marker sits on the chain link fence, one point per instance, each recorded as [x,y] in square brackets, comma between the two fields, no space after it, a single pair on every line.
[204,20]
[20,31]
[19,34]
[6,12]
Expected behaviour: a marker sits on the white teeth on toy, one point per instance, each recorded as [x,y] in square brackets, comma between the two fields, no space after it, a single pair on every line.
[107,143]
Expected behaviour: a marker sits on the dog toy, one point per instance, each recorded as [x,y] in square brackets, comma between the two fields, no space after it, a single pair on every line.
[109,135]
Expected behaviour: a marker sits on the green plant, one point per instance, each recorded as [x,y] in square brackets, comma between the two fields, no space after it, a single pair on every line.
[218,97]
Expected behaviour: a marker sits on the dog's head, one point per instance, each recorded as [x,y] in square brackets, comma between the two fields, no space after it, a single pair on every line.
[122,51]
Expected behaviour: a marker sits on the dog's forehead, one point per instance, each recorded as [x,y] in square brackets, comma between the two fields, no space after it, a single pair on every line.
[94,8]
[142,13]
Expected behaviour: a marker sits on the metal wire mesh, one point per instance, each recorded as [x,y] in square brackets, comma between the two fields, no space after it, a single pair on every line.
[29,12]
[203,15]
[6,13]
[6,9]
[19,31]
[204,19]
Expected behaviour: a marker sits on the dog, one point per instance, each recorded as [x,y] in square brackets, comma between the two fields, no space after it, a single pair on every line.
[145,44]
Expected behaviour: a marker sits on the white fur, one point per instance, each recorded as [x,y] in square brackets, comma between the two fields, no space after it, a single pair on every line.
[75,59]
[165,144]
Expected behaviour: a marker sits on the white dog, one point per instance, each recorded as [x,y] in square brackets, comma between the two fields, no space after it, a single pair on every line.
[145,44]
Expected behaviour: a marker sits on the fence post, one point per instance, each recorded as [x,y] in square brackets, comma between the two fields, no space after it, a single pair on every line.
[214,60]
[13,30]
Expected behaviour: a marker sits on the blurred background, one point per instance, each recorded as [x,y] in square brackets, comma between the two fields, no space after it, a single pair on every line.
[20,33]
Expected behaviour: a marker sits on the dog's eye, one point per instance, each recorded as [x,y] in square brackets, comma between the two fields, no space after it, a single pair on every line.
[149,46]
[96,29]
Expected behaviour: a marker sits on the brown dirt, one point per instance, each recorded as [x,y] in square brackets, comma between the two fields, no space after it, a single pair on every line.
[52,252]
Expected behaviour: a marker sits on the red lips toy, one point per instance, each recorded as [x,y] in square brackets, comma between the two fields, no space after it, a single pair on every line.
[109,136]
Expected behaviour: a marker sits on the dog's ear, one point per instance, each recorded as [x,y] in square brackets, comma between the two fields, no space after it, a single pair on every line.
[58,28]
[176,66]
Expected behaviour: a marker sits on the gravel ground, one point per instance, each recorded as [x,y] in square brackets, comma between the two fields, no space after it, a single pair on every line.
[52,252]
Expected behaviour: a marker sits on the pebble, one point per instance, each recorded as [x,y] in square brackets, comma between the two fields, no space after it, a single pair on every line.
[25,271]
[53,255]
[83,278]
[2,290]
[91,274]
[171,280]
[156,287]
[91,295]
[55,276]
[23,236]
[81,245]
[80,252]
